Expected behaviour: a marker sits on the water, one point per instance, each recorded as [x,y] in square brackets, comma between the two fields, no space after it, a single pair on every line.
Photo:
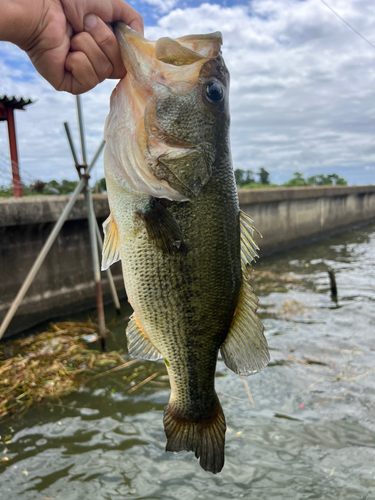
[310,435]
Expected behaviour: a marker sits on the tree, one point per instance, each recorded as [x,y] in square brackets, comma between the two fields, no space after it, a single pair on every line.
[244,177]
[68,186]
[312,181]
[102,185]
[263,176]
[249,178]
[296,181]
[315,180]
[53,187]
[38,186]
[238,175]
[341,182]
[337,180]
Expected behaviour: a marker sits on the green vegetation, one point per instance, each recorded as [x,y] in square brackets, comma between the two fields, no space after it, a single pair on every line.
[246,179]
[315,180]
[39,187]
[264,176]
[256,185]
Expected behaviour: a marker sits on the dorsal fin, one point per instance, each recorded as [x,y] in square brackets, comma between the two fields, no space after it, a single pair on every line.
[248,246]
[139,345]
[111,247]
[245,349]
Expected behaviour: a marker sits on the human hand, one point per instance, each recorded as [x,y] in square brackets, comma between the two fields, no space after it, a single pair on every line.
[68,41]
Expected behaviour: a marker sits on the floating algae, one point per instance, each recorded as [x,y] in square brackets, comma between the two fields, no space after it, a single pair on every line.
[49,365]
[268,282]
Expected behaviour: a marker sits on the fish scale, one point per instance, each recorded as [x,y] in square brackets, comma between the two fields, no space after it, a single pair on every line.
[184,253]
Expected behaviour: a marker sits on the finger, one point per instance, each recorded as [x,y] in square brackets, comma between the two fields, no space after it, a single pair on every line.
[69,30]
[106,41]
[130,16]
[109,11]
[84,42]
[80,76]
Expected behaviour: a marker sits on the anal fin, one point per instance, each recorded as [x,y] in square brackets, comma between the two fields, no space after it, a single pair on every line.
[111,246]
[139,345]
[245,350]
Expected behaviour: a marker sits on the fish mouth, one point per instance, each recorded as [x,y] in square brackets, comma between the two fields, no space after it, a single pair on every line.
[172,63]
[149,158]
[137,54]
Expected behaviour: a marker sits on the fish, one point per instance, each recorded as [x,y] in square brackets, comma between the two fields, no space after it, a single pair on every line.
[176,225]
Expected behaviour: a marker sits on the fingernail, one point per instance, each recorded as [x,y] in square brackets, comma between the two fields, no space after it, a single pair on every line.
[90,21]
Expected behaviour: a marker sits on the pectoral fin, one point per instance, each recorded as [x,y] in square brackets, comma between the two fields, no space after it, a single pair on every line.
[111,247]
[139,345]
[162,228]
[245,349]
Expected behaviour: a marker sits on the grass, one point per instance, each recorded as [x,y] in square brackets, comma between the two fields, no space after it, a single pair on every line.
[258,186]
[49,365]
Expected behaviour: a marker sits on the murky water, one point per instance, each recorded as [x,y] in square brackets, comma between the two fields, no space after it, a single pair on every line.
[309,435]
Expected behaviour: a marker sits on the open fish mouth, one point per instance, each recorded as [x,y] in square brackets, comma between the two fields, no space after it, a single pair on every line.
[164,82]
[160,61]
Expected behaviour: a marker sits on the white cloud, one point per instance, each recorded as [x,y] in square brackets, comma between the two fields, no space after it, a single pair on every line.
[302,83]
[302,89]
[163,6]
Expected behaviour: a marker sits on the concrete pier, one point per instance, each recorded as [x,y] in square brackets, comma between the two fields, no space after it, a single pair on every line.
[285,216]
[288,217]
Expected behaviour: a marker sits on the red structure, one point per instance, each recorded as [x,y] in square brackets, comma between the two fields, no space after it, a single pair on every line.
[7,107]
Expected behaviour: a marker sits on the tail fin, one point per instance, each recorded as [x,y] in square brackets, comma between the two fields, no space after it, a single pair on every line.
[206,438]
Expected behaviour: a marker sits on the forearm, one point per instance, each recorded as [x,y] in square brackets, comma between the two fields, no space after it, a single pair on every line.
[19,19]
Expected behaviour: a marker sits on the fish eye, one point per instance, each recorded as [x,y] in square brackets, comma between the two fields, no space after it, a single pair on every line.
[214,92]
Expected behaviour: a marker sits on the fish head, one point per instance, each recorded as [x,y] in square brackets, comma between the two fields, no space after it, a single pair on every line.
[169,112]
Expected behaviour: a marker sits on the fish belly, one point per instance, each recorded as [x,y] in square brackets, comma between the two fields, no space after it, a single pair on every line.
[184,302]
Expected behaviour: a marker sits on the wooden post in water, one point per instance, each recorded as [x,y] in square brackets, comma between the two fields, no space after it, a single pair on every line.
[332,279]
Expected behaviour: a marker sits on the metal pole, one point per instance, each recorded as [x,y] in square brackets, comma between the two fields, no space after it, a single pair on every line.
[48,244]
[108,272]
[95,263]
[81,131]
[99,236]
[71,143]
[92,221]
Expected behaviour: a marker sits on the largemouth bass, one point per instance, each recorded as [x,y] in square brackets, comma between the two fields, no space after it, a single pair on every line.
[176,225]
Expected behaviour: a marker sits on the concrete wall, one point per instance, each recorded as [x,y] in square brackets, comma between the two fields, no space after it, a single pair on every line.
[288,217]
[64,284]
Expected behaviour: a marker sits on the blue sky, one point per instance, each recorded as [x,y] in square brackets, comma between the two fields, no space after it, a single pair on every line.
[302,89]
